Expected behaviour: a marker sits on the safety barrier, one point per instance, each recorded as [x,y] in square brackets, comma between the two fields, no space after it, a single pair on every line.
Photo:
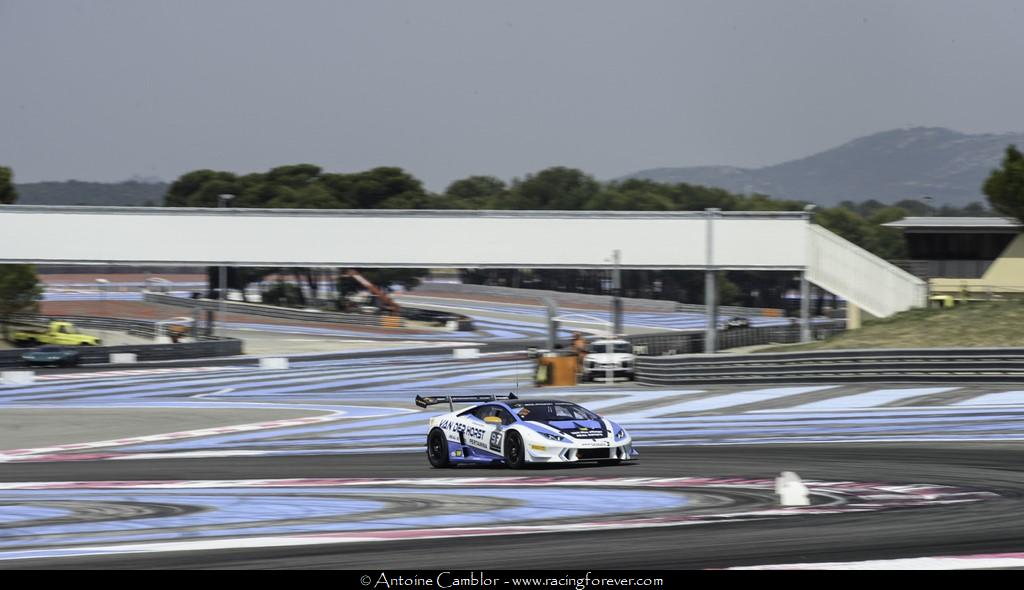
[205,347]
[876,365]
[142,328]
[692,341]
[568,299]
[462,322]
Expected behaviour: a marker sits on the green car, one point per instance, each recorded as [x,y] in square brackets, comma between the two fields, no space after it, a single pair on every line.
[52,355]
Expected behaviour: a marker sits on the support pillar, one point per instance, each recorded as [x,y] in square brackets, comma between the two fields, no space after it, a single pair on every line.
[710,287]
[805,308]
[616,296]
[852,316]
[552,309]
[711,311]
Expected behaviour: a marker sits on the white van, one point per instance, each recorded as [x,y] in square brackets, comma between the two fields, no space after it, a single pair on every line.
[609,356]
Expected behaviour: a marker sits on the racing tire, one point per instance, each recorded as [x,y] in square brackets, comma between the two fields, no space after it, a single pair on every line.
[515,450]
[437,449]
[609,462]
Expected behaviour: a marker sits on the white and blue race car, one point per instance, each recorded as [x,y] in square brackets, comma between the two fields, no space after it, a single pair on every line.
[517,432]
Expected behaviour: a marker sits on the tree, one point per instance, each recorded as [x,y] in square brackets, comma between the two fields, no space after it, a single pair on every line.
[7,193]
[1005,187]
[19,292]
[558,189]
[200,189]
[476,192]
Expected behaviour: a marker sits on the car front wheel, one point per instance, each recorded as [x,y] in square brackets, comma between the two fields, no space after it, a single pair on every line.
[515,451]
[437,449]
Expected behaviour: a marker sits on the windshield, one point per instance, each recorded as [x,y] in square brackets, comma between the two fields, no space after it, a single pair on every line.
[604,347]
[552,411]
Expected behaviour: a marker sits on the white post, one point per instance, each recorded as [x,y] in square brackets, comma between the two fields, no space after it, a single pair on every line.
[805,308]
[274,363]
[222,202]
[710,288]
[805,288]
[17,377]
[616,293]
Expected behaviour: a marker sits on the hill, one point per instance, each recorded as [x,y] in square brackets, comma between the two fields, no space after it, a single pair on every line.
[976,324]
[891,166]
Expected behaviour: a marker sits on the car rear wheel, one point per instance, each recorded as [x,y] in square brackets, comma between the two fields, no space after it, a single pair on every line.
[515,452]
[437,449]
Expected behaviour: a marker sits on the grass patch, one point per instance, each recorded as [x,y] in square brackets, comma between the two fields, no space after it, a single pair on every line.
[973,325]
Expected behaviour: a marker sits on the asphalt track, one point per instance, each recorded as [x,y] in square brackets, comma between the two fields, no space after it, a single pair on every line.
[995,525]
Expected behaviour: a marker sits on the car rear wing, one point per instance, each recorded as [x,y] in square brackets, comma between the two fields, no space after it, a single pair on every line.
[451,400]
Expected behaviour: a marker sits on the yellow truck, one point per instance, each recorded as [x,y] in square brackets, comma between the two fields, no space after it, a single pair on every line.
[56,333]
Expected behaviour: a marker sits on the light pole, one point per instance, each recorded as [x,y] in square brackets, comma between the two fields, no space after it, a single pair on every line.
[805,289]
[222,202]
[616,285]
[710,286]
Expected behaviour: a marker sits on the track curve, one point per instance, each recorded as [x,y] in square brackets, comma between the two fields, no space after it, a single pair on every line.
[992,524]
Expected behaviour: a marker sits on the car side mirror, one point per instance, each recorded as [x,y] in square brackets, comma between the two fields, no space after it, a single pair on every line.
[492,420]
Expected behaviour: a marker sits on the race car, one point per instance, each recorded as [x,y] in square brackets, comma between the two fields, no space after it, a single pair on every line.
[518,432]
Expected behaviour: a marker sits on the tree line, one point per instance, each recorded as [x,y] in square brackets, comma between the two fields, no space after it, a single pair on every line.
[306,186]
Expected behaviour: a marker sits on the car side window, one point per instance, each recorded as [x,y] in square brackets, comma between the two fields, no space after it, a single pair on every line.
[482,412]
[505,415]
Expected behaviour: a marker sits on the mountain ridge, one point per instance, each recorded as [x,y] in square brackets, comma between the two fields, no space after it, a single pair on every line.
[912,163]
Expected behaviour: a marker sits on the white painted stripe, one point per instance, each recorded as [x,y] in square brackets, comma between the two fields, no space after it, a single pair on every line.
[960,562]
[871,398]
[720,401]
[1006,398]
[631,397]
[131,372]
[16,454]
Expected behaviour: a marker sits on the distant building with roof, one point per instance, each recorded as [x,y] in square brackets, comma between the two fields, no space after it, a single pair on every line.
[975,257]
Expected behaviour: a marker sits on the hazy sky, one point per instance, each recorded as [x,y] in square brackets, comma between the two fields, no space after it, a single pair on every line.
[108,89]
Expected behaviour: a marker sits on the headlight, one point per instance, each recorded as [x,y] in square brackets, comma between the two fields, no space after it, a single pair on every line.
[620,434]
[552,436]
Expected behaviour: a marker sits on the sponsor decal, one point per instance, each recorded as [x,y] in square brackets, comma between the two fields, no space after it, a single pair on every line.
[471,431]
[586,433]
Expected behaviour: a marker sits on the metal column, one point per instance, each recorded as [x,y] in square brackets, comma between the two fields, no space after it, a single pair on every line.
[552,309]
[710,289]
[805,308]
[616,296]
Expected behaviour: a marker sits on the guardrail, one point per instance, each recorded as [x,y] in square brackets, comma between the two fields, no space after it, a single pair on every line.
[692,341]
[205,347]
[463,323]
[968,364]
[143,328]
[563,298]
